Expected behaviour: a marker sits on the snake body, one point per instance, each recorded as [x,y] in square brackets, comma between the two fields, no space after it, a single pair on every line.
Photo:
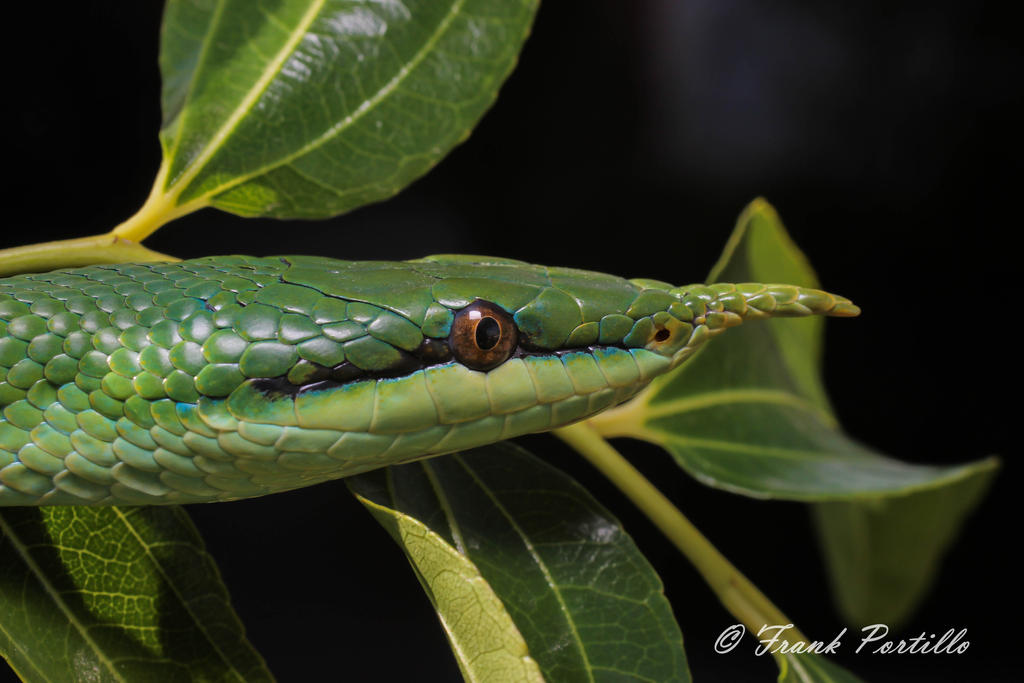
[229,377]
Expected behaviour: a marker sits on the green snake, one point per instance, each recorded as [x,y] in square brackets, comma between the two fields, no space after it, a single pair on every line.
[229,377]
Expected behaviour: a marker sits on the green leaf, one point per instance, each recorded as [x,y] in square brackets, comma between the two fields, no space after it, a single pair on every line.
[486,643]
[882,555]
[748,414]
[310,108]
[809,668]
[115,594]
[586,602]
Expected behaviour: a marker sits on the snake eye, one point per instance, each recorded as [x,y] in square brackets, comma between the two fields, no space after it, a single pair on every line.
[483,336]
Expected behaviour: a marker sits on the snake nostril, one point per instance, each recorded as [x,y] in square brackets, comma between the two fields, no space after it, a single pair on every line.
[662,335]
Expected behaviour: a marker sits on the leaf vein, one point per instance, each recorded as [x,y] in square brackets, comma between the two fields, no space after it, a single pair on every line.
[200,624]
[541,565]
[367,106]
[55,595]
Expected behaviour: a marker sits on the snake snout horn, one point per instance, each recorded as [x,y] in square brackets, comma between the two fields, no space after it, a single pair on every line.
[728,305]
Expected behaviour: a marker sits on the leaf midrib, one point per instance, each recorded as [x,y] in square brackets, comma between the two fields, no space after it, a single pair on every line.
[55,596]
[536,558]
[465,662]
[368,105]
[446,508]
[259,87]
[177,594]
[712,399]
[780,452]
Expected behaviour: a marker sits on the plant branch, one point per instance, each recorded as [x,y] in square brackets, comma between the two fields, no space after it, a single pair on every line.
[160,208]
[734,590]
[81,251]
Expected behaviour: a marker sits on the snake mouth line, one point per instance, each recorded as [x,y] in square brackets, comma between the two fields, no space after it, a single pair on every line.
[345,373]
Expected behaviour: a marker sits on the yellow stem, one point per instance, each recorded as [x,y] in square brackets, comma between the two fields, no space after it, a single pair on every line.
[81,251]
[160,208]
[736,592]
[120,245]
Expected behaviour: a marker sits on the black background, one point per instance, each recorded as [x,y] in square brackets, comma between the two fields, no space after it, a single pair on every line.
[629,138]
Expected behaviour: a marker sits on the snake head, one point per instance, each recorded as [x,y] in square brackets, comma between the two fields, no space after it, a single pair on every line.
[565,309]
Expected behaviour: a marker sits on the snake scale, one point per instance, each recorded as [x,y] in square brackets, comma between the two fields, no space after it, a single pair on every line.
[229,377]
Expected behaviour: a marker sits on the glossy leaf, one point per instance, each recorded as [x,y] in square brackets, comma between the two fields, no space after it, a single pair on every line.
[586,602]
[309,108]
[748,414]
[115,594]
